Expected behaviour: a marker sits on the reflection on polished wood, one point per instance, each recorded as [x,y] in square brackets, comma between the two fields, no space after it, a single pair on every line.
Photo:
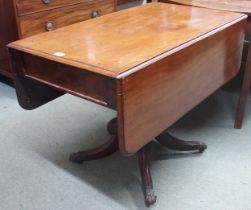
[145,33]
[152,64]
[243,6]
[23,18]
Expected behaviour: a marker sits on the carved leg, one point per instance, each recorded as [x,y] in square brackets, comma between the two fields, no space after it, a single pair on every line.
[102,151]
[144,156]
[171,142]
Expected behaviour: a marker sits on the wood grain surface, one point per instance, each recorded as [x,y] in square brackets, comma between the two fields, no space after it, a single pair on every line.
[117,42]
[243,6]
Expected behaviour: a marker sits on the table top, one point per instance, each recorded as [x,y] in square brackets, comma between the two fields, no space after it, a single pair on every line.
[120,43]
[243,6]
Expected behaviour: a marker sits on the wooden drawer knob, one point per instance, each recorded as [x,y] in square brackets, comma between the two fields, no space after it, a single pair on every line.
[49,26]
[46,1]
[95,13]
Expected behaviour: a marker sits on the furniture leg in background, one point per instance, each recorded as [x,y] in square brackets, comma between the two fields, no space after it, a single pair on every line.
[245,84]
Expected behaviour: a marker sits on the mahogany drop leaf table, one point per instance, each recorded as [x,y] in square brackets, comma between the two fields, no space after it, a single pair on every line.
[152,63]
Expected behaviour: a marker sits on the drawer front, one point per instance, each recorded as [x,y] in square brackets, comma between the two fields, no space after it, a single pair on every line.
[31,6]
[50,20]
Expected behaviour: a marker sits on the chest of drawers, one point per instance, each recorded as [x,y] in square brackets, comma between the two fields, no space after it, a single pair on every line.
[23,18]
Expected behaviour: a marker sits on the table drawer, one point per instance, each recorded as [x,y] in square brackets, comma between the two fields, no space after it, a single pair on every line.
[31,6]
[50,20]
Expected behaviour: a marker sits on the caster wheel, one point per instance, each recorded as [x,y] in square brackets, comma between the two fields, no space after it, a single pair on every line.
[202,148]
[75,158]
[150,198]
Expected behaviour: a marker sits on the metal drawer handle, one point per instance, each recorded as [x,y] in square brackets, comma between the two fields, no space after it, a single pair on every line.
[49,26]
[95,13]
[46,1]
